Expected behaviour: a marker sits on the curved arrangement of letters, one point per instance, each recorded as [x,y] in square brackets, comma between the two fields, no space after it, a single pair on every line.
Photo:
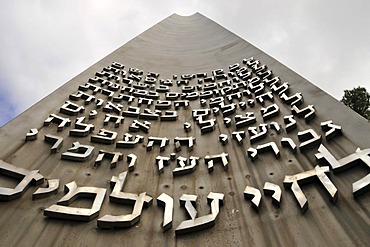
[118,94]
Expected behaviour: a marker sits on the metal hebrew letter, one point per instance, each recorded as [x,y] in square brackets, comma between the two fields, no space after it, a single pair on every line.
[261,98]
[188,141]
[195,224]
[221,158]
[162,162]
[63,211]
[294,181]
[166,201]
[114,156]
[290,123]
[53,186]
[256,136]
[239,136]
[331,130]
[128,142]
[63,122]
[288,142]
[78,152]
[81,129]
[223,139]
[112,118]
[32,135]
[169,116]
[161,141]
[361,156]
[116,108]
[184,168]
[241,121]
[104,136]
[137,125]
[271,146]
[308,112]
[131,159]
[270,111]
[57,142]
[71,109]
[118,196]
[25,178]
[309,139]
[294,100]
[253,194]
[275,191]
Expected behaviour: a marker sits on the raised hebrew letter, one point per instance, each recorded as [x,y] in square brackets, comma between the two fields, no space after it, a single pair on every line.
[206,125]
[223,139]
[32,135]
[253,194]
[361,156]
[188,141]
[162,162]
[53,186]
[57,142]
[271,146]
[81,129]
[309,139]
[252,153]
[131,159]
[275,126]
[113,156]
[239,136]
[255,135]
[318,173]
[104,136]
[280,89]
[111,107]
[63,211]
[187,127]
[308,112]
[166,201]
[112,118]
[169,116]
[290,123]
[270,111]
[78,152]
[195,224]
[331,130]
[288,142]
[266,96]
[219,158]
[131,111]
[25,177]
[241,121]
[149,114]
[128,142]
[63,122]
[161,141]
[118,196]
[184,168]
[275,191]
[137,125]
[294,100]
[81,95]
[71,109]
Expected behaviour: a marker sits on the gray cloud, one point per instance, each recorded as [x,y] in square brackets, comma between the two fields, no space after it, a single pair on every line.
[46,43]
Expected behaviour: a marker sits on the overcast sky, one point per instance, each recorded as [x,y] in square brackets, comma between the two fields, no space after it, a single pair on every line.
[43,44]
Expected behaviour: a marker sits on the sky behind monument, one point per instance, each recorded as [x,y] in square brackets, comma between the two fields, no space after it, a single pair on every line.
[43,44]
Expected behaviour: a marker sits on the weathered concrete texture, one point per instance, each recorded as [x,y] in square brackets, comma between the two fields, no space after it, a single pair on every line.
[189,45]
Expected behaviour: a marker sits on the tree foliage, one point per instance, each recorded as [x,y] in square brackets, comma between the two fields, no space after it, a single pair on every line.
[358,99]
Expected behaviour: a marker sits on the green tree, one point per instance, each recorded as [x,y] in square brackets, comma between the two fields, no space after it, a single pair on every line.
[358,99]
